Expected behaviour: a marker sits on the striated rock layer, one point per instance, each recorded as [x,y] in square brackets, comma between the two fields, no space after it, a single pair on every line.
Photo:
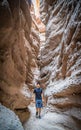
[19,47]
[61,58]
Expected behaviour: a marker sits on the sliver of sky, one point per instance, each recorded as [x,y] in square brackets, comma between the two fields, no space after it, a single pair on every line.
[36,7]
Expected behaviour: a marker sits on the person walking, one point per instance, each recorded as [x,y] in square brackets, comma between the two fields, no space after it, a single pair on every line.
[38,99]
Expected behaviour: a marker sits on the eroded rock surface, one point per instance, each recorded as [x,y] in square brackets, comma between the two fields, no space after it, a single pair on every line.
[19,47]
[61,57]
[8,120]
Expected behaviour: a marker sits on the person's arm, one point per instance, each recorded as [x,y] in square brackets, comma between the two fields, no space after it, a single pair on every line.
[42,94]
[42,97]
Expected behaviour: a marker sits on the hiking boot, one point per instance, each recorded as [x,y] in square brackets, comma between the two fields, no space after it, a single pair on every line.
[39,117]
[36,114]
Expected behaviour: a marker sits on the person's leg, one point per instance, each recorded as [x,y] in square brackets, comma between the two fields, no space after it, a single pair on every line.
[40,106]
[36,112]
[36,108]
[39,111]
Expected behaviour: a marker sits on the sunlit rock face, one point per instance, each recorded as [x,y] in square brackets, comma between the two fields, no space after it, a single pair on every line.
[19,46]
[61,58]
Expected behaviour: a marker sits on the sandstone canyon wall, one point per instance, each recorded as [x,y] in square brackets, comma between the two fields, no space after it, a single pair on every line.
[19,47]
[60,61]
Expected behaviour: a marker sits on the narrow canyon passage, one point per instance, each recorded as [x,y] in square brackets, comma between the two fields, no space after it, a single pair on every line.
[49,120]
[59,64]
[40,40]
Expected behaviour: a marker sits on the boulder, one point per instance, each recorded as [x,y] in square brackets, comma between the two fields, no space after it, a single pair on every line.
[9,120]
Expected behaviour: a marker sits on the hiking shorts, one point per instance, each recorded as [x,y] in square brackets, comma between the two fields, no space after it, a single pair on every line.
[39,104]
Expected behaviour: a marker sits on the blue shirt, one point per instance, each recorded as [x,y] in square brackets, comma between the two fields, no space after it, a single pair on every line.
[38,92]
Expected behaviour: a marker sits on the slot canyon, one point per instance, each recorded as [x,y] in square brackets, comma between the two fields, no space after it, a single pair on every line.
[40,40]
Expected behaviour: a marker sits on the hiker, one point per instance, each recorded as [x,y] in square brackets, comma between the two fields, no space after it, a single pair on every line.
[38,99]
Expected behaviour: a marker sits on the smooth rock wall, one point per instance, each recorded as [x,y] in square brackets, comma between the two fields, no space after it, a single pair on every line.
[19,46]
